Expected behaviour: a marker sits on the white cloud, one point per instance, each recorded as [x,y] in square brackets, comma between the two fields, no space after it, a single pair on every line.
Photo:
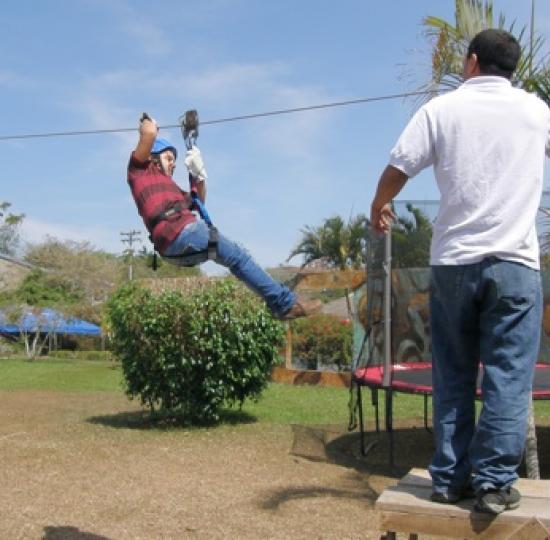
[224,83]
[36,231]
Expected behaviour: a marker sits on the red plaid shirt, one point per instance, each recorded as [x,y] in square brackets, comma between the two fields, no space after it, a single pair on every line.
[154,193]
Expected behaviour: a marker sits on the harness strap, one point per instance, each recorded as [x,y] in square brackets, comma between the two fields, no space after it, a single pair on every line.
[191,257]
[177,208]
[213,238]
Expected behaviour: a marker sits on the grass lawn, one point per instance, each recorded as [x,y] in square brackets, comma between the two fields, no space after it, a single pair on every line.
[279,404]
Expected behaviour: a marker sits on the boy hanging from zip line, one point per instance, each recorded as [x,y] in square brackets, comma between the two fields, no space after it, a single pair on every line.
[174,229]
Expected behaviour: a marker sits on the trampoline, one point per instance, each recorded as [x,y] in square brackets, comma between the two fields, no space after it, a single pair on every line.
[392,336]
[416,378]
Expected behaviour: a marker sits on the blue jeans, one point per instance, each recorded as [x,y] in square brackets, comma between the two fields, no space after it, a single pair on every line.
[279,299]
[491,312]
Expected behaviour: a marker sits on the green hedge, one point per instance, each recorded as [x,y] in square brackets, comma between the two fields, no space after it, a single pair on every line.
[83,355]
[322,339]
[190,355]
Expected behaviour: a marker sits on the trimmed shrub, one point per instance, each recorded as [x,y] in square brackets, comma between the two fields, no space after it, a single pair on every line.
[189,355]
[322,339]
[82,355]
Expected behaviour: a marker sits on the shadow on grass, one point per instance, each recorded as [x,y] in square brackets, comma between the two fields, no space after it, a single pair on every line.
[145,420]
[328,444]
[69,533]
[413,447]
[280,497]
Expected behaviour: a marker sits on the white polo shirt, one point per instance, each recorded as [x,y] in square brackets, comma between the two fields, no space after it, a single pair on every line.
[487,143]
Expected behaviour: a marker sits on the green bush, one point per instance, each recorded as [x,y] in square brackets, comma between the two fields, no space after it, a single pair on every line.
[82,355]
[323,339]
[189,355]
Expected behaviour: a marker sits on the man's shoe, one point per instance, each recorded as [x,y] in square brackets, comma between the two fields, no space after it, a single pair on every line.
[452,497]
[468,491]
[302,308]
[445,497]
[495,501]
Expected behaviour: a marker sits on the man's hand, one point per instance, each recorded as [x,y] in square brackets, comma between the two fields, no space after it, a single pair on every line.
[147,126]
[390,184]
[148,130]
[195,165]
[381,218]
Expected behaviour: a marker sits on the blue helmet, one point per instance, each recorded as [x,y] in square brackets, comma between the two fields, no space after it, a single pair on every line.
[161,145]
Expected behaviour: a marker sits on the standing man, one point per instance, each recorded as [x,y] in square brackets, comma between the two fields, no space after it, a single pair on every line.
[486,142]
[167,213]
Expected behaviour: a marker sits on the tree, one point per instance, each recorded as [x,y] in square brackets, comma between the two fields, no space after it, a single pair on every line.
[36,326]
[9,230]
[450,43]
[73,276]
[411,240]
[334,244]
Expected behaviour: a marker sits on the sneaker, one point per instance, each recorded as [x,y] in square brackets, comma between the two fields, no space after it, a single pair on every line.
[302,308]
[468,491]
[495,501]
[445,497]
[452,497]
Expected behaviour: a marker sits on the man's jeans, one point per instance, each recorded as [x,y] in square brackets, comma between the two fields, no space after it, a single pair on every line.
[279,299]
[490,312]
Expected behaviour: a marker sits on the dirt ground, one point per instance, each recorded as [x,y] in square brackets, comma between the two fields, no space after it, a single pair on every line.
[88,467]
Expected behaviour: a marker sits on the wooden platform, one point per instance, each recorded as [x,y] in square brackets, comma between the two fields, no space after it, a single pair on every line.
[407,508]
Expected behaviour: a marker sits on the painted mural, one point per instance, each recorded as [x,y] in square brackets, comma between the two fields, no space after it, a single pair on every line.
[410,328]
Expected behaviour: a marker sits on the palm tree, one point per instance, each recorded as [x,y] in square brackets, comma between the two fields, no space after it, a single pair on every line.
[450,43]
[334,244]
[411,238]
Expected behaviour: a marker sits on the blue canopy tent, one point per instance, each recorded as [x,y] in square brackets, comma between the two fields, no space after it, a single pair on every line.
[48,321]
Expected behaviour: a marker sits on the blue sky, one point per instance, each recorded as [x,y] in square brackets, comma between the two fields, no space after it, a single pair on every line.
[97,64]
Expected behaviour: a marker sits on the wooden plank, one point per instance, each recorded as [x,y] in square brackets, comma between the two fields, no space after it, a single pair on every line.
[329,279]
[407,508]
[288,347]
[447,526]
[527,487]
[340,379]
[416,501]
[531,530]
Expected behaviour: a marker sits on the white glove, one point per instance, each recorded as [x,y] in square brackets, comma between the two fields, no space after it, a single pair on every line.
[195,165]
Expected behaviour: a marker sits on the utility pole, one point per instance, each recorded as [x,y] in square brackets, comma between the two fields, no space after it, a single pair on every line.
[129,238]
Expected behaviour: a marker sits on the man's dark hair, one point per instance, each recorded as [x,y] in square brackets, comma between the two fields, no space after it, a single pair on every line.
[497,52]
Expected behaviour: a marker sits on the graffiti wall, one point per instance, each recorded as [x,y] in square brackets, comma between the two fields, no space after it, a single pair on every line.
[410,328]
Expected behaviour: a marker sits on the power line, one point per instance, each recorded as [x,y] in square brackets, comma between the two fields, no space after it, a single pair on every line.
[219,120]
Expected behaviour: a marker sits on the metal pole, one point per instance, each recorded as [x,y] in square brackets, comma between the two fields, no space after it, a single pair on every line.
[386,382]
[129,238]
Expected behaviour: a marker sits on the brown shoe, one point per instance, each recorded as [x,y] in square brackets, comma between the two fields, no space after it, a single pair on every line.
[302,308]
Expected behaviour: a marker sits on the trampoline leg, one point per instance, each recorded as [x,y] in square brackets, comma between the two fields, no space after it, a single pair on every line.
[389,423]
[374,401]
[361,425]
[364,449]
[426,426]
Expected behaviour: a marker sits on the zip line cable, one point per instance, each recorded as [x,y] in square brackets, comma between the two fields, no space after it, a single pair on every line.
[219,120]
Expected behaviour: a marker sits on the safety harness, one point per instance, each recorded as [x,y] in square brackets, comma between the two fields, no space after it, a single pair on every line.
[189,257]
